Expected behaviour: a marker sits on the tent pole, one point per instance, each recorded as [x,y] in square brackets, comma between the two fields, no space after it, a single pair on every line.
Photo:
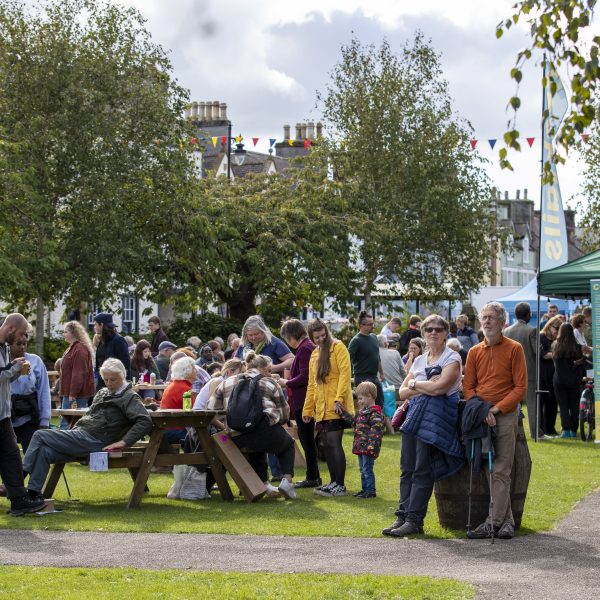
[537,369]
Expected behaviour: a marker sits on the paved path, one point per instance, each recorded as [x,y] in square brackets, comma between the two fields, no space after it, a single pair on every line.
[560,564]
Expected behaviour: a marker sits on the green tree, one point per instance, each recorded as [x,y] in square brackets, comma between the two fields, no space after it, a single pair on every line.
[590,218]
[418,200]
[96,193]
[282,240]
[557,28]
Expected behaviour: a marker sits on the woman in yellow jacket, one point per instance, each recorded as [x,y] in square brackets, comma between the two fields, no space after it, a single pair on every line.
[329,381]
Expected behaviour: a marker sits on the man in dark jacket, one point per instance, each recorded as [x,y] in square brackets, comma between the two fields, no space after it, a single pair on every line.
[158,336]
[112,345]
[116,418]
[526,335]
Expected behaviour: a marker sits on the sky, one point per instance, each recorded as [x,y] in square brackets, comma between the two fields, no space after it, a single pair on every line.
[266,59]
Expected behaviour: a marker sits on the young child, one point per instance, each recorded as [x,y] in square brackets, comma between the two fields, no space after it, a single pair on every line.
[368,425]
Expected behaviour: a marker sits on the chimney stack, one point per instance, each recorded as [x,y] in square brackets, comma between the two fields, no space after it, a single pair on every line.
[194,110]
[303,131]
[286,132]
[298,131]
[518,194]
[208,114]
[525,194]
[310,130]
[506,195]
[216,110]
[201,111]
[319,129]
[223,111]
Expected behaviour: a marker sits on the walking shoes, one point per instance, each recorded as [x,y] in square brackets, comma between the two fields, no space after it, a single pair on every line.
[484,531]
[395,525]
[308,483]
[286,489]
[26,504]
[407,529]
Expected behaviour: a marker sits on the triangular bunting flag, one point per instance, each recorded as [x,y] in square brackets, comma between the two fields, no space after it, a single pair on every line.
[255,141]
[271,142]
[307,143]
[224,140]
[530,141]
[193,141]
[291,142]
[239,138]
[492,143]
[214,141]
[473,144]
[585,137]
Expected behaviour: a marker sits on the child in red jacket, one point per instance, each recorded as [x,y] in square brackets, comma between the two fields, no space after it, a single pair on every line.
[368,425]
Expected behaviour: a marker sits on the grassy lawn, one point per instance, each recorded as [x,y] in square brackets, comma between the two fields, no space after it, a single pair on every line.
[71,584]
[563,472]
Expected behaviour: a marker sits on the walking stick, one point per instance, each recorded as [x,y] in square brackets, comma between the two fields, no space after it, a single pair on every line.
[470,485]
[491,494]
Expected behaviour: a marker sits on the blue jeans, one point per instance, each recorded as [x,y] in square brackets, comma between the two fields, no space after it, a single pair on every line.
[65,404]
[367,476]
[49,446]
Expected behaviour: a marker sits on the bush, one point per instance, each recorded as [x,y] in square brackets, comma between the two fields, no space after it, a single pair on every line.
[54,348]
[206,327]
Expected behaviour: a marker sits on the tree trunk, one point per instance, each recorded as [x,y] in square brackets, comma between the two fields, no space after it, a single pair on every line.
[241,310]
[39,328]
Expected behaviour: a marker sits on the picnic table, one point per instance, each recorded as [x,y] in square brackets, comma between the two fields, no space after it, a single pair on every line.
[140,387]
[140,458]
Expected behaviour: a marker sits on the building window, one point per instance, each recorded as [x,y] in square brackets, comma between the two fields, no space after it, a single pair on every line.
[128,306]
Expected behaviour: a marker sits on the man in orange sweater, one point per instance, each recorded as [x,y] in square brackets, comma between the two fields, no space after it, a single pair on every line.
[497,373]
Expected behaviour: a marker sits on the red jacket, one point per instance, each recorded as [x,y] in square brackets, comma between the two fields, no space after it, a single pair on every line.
[77,372]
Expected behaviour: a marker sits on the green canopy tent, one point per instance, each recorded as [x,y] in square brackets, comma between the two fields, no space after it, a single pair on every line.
[571,280]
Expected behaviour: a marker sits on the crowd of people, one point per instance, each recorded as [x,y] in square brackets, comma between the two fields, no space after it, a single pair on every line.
[304,378]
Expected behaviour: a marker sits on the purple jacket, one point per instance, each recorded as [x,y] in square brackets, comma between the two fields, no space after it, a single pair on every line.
[298,381]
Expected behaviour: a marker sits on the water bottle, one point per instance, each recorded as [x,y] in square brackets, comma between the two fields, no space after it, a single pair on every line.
[187,400]
[152,378]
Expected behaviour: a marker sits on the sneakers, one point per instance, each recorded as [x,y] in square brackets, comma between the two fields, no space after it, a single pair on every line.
[358,494]
[395,525]
[481,532]
[276,478]
[506,531]
[308,483]
[568,434]
[324,488]
[286,489]
[408,528]
[333,489]
[26,504]
[363,494]
[272,491]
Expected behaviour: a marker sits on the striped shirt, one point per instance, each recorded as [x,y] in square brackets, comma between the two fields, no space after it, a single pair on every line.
[274,401]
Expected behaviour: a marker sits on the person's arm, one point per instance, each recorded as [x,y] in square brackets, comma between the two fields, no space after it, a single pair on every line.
[400,363]
[470,376]
[380,369]
[341,354]
[12,370]
[42,385]
[340,410]
[286,363]
[137,415]
[519,377]
[78,366]
[308,411]
[303,361]
[442,384]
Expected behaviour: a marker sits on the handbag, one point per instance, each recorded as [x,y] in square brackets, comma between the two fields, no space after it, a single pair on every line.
[400,415]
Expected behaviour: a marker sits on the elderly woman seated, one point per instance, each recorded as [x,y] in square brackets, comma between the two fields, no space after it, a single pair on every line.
[116,418]
[183,375]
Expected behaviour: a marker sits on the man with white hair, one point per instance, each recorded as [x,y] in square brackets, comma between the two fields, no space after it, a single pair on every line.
[496,373]
[116,418]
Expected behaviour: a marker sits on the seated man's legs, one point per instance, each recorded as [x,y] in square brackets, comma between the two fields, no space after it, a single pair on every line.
[50,446]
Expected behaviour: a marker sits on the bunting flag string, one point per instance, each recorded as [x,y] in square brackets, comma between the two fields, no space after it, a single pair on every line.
[307,143]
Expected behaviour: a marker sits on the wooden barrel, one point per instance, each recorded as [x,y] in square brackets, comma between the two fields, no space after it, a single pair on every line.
[452,494]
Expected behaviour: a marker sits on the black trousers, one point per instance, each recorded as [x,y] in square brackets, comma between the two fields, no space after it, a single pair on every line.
[11,466]
[268,438]
[568,401]
[24,434]
[306,434]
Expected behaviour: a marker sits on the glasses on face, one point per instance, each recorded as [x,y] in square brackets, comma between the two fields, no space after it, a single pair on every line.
[488,318]
[434,329]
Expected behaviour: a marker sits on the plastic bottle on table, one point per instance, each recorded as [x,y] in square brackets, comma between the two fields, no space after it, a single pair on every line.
[187,400]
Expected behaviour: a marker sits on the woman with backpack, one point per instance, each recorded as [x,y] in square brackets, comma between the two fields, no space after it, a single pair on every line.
[257,409]
[329,381]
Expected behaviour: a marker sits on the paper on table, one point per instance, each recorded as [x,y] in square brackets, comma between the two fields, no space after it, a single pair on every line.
[98,461]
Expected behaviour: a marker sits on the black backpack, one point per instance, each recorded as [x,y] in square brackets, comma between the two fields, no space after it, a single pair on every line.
[245,408]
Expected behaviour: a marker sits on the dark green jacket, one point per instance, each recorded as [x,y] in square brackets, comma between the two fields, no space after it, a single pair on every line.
[114,417]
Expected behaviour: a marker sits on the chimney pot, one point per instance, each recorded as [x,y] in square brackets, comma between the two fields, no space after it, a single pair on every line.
[298,131]
[506,195]
[201,111]
[525,194]
[518,194]
[194,110]
[303,131]
[216,110]
[286,132]
[319,129]
[310,130]
[209,111]
[223,111]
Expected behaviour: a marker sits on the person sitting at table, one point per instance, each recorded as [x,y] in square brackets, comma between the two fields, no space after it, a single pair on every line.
[183,374]
[202,377]
[116,419]
[142,365]
[231,367]
[269,435]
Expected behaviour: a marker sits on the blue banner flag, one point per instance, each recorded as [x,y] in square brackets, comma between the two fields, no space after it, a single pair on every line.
[553,239]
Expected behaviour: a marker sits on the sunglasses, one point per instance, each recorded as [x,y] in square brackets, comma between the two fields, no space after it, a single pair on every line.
[434,329]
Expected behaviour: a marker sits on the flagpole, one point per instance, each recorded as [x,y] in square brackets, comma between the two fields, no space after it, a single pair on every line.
[539,261]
